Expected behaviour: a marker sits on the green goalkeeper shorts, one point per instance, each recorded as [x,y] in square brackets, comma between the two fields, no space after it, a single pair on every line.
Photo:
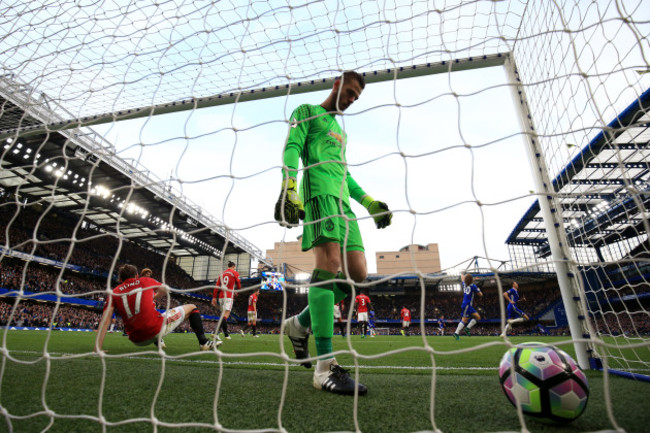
[324,223]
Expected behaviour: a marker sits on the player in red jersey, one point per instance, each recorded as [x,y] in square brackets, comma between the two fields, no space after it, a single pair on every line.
[252,314]
[406,320]
[134,301]
[362,302]
[225,293]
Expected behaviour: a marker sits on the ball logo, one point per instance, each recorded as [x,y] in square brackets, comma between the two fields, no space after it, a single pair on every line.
[541,360]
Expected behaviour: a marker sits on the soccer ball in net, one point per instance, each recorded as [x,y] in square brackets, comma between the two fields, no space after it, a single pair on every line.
[545,380]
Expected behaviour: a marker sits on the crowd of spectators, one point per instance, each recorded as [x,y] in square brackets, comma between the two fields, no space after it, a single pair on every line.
[49,235]
[38,314]
[93,255]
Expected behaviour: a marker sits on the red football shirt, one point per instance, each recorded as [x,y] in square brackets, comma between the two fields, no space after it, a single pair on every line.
[362,302]
[227,280]
[252,300]
[406,315]
[138,311]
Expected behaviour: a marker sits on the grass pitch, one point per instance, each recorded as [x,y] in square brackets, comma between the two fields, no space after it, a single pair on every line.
[51,381]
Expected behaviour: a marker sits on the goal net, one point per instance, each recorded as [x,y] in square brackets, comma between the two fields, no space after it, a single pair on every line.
[510,133]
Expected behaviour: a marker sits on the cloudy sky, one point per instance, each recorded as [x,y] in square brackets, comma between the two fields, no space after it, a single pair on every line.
[442,151]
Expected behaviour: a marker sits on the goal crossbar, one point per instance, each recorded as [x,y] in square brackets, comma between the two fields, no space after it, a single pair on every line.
[375,76]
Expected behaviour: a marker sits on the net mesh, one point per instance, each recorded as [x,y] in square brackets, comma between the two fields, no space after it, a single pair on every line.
[70,71]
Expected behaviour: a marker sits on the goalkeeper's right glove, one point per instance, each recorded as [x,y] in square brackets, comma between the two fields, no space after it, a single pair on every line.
[379,211]
[289,209]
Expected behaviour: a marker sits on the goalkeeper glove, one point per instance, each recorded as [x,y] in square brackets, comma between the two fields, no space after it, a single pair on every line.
[379,211]
[289,208]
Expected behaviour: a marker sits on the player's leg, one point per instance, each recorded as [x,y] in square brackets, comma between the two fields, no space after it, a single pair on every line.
[297,327]
[461,324]
[341,325]
[226,306]
[515,316]
[175,316]
[248,324]
[326,240]
[301,323]
[329,375]
[510,314]
[196,323]
[475,318]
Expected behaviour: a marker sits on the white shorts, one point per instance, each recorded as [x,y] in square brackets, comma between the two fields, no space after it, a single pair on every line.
[252,316]
[406,324]
[172,318]
[362,317]
[225,304]
[337,312]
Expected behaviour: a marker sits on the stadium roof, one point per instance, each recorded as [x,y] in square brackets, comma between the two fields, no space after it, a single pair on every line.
[79,172]
[603,191]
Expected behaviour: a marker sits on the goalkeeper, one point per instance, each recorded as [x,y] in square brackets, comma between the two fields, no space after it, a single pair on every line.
[330,227]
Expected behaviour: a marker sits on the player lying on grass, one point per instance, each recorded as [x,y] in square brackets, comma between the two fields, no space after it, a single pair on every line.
[134,300]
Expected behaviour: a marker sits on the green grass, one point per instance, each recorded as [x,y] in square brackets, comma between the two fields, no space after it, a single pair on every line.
[63,391]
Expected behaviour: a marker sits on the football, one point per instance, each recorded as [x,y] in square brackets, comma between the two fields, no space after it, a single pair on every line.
[545,380]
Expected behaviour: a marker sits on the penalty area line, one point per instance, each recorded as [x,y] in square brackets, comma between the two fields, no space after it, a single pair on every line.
[267,364]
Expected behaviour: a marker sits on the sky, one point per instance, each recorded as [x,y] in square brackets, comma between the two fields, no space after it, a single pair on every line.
[442,151]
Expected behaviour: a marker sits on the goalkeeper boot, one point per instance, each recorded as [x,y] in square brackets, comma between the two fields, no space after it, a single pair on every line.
[162,344]
[338,381]
[210,344]
[299,339]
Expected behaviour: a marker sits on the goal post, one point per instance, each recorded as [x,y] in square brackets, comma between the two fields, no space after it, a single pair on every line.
[567,273]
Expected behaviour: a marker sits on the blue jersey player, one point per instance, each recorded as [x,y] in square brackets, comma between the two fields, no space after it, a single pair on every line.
[470,290]
[441,325]
[513,313]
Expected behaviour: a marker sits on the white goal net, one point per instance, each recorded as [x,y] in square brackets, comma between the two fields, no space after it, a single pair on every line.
[152,133]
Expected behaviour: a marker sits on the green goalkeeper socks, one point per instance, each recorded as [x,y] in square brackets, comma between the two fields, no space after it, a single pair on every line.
[341,290]
[304,318]
[321,304]
[323,294]
[323,346]
[318,275]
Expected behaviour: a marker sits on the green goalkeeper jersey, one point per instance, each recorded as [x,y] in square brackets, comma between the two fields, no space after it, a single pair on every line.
[316,138]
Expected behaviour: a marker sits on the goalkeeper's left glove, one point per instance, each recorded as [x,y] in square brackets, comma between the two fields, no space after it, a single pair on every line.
[379,211]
